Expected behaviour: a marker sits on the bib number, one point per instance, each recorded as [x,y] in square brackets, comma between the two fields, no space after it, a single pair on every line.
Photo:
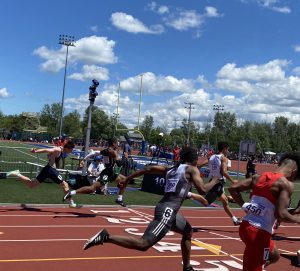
[253,208]
[171,185]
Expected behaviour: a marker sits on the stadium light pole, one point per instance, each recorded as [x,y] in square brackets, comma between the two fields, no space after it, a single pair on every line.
[66,41]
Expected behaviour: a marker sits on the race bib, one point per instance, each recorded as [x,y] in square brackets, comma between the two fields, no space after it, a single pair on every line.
[254,208]
[171,185]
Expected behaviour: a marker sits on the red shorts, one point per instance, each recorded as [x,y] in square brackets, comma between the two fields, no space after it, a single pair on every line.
[258,243]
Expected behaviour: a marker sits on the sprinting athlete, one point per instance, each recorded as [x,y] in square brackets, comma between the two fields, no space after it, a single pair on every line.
[111,172]
[49,171]
[179,180]
[218,166]
[271,193]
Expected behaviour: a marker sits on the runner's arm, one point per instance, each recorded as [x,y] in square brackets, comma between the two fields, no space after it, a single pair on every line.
[94,153]
[49,151]
[224,166]
[282,213]
[198,181]
[154,169]
[237,187]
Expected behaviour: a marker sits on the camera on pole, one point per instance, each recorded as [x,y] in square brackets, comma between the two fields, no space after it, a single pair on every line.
[93,90]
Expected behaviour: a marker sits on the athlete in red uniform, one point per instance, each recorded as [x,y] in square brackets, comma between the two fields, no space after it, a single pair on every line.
[269,201]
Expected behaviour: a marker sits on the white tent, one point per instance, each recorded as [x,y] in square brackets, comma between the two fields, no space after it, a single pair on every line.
[270,153]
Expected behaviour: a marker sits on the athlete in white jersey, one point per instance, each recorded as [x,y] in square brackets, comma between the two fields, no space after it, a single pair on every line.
[218,164]
[179,180]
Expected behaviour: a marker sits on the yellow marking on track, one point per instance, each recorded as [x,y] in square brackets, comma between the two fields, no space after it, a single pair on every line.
[215,249]
[110,258]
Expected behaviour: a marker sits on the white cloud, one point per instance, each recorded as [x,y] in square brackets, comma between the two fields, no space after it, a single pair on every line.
[157,84]
[296,71]
[285,10]
[158,9]
[297,48]
[94,28]
[212,12]
[88,50]
[163,10]
[262,84]
[130,24]
[254,92]
[271,4]
[91,72]
[184,20]
[3,93]
[271,71]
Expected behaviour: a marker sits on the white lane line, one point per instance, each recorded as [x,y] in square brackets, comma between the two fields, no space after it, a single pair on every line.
[72,239]
[224,236]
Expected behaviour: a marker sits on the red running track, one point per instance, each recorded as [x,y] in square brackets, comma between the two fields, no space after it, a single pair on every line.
[51,238]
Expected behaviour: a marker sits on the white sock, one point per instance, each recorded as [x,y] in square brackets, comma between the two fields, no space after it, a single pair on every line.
[71,201]
[73,192]
[120,197]
[234,219]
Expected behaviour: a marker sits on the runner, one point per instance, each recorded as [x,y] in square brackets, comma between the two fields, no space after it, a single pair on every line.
[179,180]
[218,166]
[49,171]
[269,200]
[112,163]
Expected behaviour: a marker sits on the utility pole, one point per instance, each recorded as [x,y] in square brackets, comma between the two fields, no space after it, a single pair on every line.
[175,120]
[189,107]
[66,41]
[115,120]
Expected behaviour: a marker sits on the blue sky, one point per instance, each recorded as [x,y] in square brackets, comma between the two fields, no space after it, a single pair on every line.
[243,54]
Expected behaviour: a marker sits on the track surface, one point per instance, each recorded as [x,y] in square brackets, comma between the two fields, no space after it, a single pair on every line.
[51,238]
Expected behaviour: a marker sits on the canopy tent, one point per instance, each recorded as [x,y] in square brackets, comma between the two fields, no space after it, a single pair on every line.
[270,153]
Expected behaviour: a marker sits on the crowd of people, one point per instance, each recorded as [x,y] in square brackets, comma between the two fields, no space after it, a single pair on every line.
[269,199]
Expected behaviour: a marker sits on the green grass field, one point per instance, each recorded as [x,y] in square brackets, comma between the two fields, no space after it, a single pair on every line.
[13,191]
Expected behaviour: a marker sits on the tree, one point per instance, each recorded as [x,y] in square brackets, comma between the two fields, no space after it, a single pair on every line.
[280,129]
[147,126]
[102,126]
[72,125]
[50,117]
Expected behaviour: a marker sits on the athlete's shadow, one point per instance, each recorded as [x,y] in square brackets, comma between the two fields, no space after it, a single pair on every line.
[284,238]
[200,229]
[292,257]
[24,207]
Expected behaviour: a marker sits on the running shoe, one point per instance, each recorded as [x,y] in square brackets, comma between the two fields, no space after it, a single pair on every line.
[120,202]
[237,222]
[98,239]
[189,268]
[67,196]
[73,205]
[13,173]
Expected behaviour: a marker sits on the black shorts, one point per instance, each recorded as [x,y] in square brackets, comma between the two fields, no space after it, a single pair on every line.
[49,172]
[216,192]
[165,219]
[107,175]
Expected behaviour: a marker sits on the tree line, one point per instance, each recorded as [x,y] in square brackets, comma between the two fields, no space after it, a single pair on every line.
[278,136]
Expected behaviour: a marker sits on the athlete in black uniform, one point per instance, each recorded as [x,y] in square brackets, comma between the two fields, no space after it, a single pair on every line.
[179,180]
[111,173]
